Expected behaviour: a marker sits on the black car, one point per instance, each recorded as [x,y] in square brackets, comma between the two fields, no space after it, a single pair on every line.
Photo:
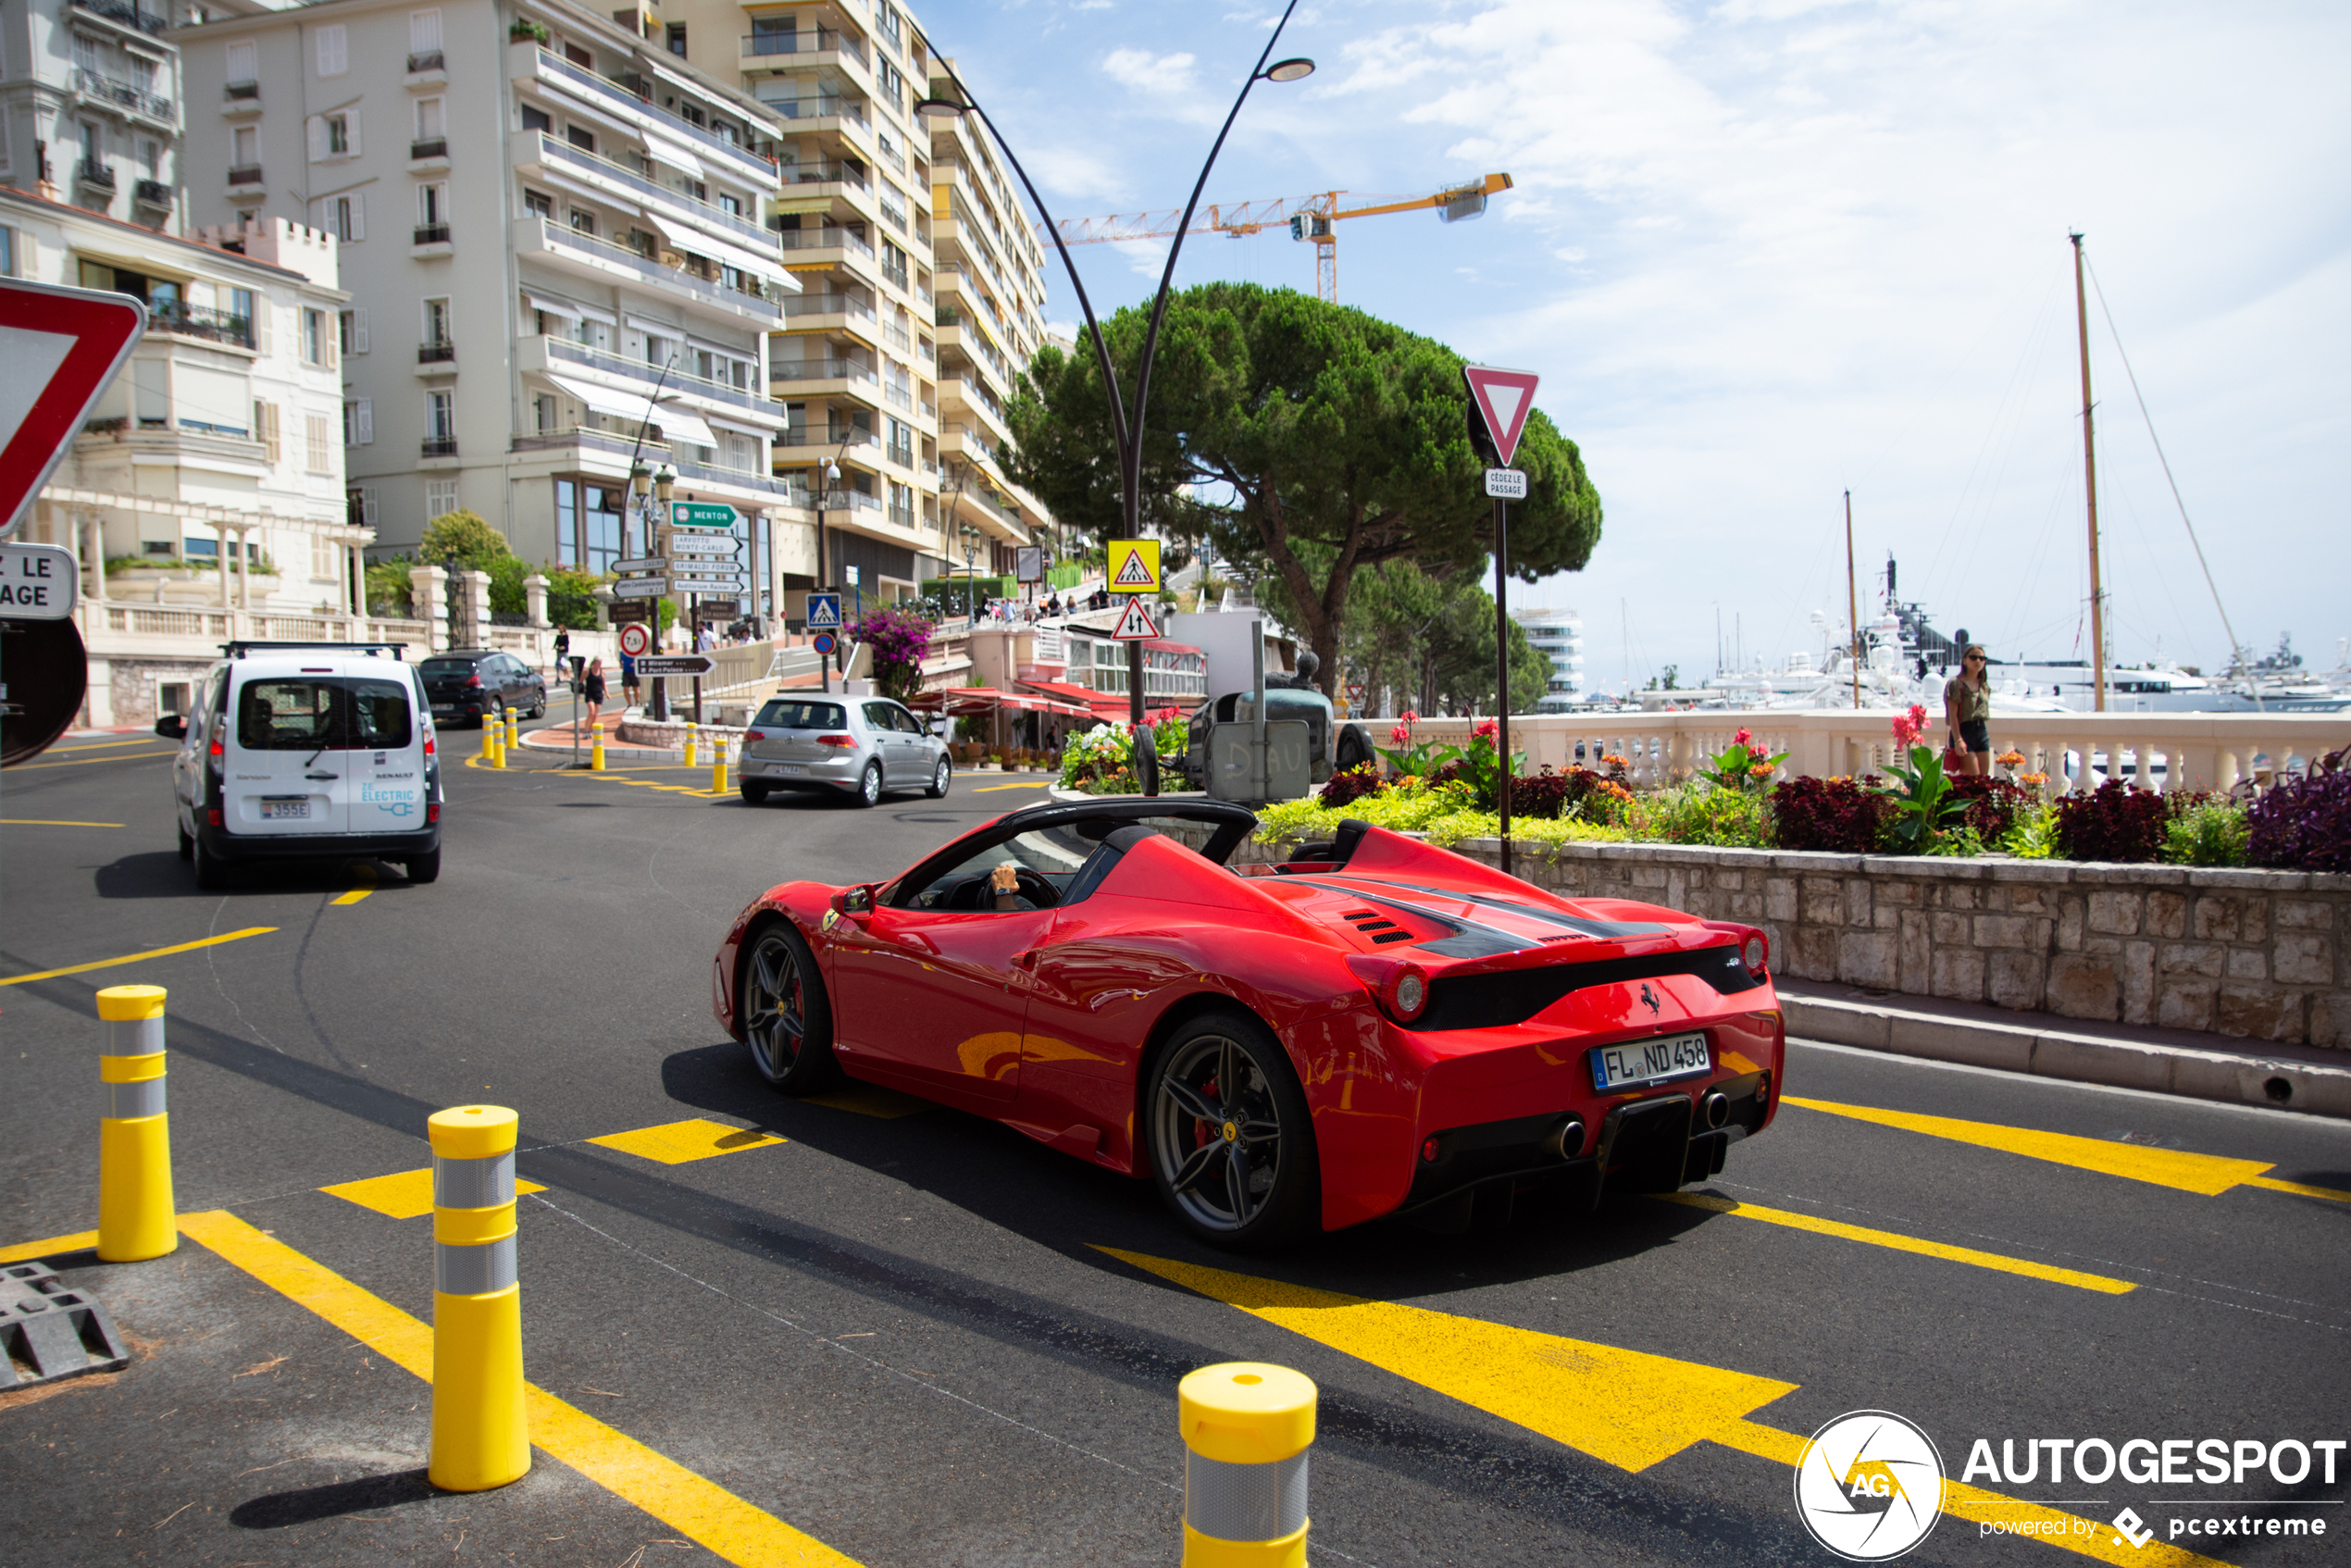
[476,684]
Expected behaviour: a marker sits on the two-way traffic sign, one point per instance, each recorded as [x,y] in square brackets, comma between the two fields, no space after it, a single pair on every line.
[1135,625]
[63,347]
[824,612]
[1502,399]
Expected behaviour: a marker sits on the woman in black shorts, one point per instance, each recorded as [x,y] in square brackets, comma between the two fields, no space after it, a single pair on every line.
[1967,708]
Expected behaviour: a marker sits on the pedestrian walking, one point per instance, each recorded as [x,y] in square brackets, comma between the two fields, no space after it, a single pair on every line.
[707,642]
[628,693]
[592,687]
[563,654]
[1967,709]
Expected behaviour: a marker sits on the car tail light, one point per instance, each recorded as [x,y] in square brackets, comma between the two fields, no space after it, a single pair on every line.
[751,735]
[1754,946]
[1432,1150]
[473,681]
[212,816]
[1400,985]
[427,743]
[216,745]
[842,741]
[432,811]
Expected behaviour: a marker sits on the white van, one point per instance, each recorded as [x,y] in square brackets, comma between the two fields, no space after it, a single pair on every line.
[308,751]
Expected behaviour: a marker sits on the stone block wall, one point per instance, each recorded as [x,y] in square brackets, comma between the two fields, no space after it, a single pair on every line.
[2261,954]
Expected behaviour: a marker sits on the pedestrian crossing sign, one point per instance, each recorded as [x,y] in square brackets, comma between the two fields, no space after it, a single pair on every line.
[1134,566]
[824,612]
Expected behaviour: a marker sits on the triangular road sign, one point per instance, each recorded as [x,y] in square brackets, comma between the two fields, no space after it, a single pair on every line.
[1502,399]
[1135,625]
[66,346]
[1134,566]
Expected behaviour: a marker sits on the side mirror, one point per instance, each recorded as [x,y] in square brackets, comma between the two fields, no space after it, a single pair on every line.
[857,901]
[172,727]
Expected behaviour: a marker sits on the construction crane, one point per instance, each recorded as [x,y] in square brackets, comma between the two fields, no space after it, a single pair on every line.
[1308,218]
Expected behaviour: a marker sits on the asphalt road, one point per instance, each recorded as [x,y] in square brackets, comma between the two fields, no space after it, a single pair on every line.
[898,1330]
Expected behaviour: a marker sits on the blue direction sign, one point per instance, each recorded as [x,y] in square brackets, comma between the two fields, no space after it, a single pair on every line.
[824,612]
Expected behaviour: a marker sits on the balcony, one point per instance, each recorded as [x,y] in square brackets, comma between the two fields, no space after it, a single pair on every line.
[636,107]
[123,15]
[437,446]
[846,306]
[736,227]
[586,252]
[821,105]
[807,371]
[741,478]
[97,176]
[117,94]
[245,176]
[429,149]
[896,274]
[845,439]
[424,60]
[436,353]
[545,352]
[241,98]
[827,171]
[765,45]
[432,239]
[153,194]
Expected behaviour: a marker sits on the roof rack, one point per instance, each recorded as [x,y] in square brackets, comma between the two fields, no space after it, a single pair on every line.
[240,649]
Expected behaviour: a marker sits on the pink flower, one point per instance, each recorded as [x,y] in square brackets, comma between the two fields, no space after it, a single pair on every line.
[1486,729]
[1743,736]
[1401,734]
[1758,753]
[1411,717]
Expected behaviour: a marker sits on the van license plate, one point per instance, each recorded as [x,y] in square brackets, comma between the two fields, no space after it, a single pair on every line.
[1649,1062]
[285,811]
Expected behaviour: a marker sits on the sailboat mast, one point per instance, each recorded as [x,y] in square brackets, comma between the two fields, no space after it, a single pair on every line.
[2090,484]
[1852,600]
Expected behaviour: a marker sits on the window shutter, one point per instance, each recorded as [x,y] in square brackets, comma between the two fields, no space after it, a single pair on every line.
[359,215]
[351,129]
[424,32]
[263,313]
[367,421]
[333,58]
[359,330]
[328,335]
[316,126]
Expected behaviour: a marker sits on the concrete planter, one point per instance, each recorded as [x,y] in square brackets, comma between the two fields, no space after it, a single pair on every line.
[2258,955]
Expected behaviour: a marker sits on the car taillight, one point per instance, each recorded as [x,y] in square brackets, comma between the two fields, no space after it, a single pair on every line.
[473,681]
[751,735]
[212,816]
[432,811]
[215,750]
[1405,993]
[1754,946]
[429,745]
[842,741]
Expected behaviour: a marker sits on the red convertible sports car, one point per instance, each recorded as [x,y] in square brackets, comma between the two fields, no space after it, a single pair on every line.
[1374,1027]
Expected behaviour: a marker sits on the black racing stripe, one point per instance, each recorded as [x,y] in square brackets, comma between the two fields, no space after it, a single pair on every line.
[1612,930]
[1512,996]
[1470,939]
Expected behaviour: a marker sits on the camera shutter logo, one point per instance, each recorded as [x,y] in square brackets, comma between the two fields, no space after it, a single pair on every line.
[1869,1485]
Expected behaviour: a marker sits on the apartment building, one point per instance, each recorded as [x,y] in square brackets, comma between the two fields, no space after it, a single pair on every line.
[205,496]
[878,363]
[1558,634]
[90,107]
[554,234]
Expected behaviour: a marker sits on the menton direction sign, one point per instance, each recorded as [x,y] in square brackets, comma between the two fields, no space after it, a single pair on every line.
[703,515]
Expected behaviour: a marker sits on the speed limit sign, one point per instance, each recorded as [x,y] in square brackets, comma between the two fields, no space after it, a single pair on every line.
[635,639]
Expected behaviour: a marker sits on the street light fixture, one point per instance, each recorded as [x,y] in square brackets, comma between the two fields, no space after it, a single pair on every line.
[971,572]
[826,478]
[1126,426]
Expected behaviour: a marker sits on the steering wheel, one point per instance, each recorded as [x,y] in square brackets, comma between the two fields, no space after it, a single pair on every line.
[972,893]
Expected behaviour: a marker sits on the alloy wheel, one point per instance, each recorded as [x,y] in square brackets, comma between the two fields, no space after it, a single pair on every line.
[1217,1132]
[774,1006]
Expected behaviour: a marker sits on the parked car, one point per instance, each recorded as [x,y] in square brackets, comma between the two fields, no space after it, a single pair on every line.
[855,746]
[476,684]
[1376,1027]
[306,753]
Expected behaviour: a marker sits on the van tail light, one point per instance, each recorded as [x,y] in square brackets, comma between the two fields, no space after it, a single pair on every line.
[212,816]
[432,811]
[844,742]
[428,744]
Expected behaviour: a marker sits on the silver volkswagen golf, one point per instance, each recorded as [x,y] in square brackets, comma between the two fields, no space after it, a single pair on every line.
[854,746]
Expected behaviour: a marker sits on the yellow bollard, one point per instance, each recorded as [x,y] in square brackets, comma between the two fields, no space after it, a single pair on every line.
[718,772]
[596,747]
[1246,1429]
[690,744]
[136,1218]
[480,1436]
[514,730]
[490,733]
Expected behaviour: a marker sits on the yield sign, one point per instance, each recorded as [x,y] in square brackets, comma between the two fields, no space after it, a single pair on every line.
[66,346]
[1502,399]
[1135,625]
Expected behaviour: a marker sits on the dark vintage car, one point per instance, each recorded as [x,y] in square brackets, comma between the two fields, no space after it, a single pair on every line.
[1375,1027]
[476,684]
[1306,742]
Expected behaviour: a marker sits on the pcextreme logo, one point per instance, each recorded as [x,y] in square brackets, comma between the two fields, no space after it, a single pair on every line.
[1869,1485]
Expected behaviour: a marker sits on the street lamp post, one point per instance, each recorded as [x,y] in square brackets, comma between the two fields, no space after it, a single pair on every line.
[651,493]
[1126,426]
[827,475]
[971,572]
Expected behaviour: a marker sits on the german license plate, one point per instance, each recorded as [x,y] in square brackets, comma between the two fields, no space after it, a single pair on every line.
[285,811]
[1649,1061]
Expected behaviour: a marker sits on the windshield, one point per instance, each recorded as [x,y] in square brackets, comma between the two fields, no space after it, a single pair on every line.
[803,715]
[311,714]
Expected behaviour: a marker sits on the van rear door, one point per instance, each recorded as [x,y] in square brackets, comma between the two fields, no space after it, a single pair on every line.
[383,755]
[285,776]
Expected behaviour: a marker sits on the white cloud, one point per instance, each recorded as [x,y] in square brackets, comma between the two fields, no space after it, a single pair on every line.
[1147,72]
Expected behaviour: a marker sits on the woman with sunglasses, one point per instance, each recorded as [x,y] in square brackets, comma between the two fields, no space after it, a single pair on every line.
[1967,708]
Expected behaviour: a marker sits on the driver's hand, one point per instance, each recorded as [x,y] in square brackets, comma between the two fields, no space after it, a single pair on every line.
[1005,878]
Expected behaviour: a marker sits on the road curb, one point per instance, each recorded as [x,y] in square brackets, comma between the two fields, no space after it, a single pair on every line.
[2253,1076]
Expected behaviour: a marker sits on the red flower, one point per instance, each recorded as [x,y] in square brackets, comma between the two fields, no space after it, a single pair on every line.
[1401,734]
[1486,729]
[1743,736]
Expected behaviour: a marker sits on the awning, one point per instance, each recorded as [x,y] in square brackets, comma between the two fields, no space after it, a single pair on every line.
[675,153]
[964,702]
[768,268]
[609,400]
[678,425]
[549,305]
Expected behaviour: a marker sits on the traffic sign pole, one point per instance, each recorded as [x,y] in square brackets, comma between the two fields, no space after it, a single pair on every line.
[1501,400]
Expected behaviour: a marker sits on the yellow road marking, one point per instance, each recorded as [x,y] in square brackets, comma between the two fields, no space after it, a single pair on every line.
[77,1241]
[402,1195]
[870,1100]
[991,789]
[688,1503]
[1903,1243]
[1628,1407]
[135,957]
[675,1143]
[84,762]
[37,822]
[2296,1187]
[365,877]
[110,745]
[2208,1174]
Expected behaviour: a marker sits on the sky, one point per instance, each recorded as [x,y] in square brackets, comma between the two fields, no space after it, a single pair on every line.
[1764,252]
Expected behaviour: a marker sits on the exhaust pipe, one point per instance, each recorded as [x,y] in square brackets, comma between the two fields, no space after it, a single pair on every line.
[1565,1141]
[1716,1109]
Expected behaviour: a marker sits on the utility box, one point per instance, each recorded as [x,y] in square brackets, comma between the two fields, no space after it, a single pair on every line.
[1289,757]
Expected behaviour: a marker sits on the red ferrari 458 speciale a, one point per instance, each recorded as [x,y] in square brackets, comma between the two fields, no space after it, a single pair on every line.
[1374,1027]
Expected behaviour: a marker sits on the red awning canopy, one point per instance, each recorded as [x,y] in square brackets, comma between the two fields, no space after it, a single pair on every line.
[966,702]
